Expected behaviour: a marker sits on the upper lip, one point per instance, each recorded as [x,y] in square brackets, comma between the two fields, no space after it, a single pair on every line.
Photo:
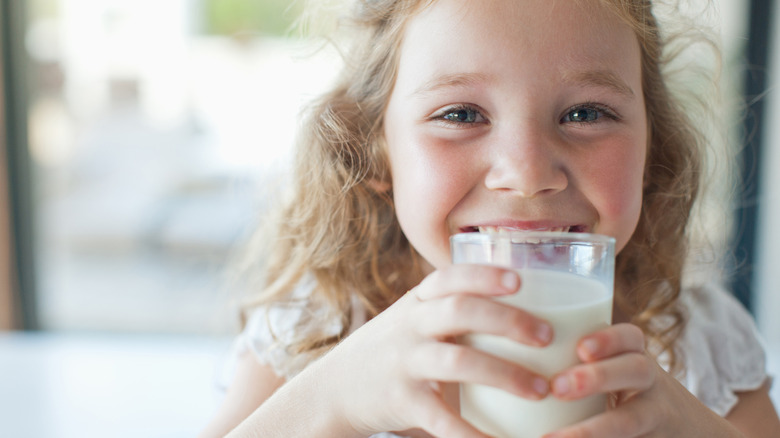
[515,225]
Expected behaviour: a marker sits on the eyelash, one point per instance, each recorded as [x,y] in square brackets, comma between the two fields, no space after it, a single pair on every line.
[603,111]
[440,116]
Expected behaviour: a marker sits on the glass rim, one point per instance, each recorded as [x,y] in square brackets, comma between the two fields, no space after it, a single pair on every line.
[519,235]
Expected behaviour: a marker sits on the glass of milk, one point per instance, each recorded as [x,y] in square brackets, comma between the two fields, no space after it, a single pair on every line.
[567,279]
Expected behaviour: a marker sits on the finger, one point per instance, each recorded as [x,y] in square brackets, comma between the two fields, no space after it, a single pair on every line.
[462,314]
[467,278]
[612,341]
[627,372]
[634,419]
[439,419]
[444,362]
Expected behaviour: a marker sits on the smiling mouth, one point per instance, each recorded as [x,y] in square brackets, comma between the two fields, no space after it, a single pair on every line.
[502,230]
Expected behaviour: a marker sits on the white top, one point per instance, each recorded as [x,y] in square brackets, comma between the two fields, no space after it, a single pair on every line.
[723,353]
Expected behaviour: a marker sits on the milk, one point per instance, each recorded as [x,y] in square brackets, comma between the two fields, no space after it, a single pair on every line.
[575,306]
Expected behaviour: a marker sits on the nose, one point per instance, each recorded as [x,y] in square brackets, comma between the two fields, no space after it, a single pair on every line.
[527,165]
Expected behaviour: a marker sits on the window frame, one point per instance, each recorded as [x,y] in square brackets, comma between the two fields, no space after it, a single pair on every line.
[18,251]
[757,54]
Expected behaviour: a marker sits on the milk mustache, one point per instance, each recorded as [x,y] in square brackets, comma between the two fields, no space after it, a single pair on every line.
[575,306]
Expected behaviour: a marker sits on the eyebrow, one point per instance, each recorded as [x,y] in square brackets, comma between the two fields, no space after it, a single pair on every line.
[453,80]
[593,78]
[600,78]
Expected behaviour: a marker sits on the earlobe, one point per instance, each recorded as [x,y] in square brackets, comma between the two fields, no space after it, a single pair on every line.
[379,186]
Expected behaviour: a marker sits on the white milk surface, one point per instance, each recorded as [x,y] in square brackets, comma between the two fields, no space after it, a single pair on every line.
[575,306]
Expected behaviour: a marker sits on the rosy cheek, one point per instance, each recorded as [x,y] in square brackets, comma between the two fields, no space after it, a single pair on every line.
[435,164]
[429,181]
[616,180]
[621,196]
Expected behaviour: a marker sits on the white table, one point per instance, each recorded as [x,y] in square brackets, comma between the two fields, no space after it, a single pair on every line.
[100,385]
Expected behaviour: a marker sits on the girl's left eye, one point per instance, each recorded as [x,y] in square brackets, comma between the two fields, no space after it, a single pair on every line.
[587,114]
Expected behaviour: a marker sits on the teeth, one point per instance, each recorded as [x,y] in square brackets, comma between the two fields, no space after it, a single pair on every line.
[496,230]
[504,230]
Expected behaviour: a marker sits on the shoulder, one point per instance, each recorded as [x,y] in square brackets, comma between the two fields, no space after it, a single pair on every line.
[720,347]
[272,329]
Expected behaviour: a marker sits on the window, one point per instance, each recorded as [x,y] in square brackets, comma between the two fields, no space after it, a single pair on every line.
[154,137]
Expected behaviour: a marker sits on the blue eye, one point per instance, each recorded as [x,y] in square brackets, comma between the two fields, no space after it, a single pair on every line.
[583,115]
[461,115]
[587,114]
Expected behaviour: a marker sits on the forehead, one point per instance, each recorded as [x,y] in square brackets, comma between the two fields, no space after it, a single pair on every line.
[490,35]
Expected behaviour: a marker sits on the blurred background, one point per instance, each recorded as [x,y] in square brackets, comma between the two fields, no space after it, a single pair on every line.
[141,141]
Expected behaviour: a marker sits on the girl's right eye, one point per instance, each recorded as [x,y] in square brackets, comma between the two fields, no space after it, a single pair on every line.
[460,115]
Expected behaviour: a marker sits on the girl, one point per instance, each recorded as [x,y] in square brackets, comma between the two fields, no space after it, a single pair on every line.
[453,117]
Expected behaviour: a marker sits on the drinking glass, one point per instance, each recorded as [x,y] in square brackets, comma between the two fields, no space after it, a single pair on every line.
[568,280]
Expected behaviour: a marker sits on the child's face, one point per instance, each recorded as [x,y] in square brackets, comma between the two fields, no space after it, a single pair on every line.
[517,114]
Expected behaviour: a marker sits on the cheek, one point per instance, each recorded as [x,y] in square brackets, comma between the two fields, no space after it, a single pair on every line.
[427,171]
[622,200]
[427,184]
[619,179]
[620,187]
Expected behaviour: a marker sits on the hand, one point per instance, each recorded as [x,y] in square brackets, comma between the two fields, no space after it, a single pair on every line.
[388,375]
[648,402]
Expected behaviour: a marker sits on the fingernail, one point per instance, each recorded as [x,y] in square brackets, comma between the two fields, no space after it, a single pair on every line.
[510,281]
[540,386]
[544,333]
[590,346]
[561,385]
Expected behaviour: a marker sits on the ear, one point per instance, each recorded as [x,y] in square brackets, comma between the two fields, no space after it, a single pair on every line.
[378,186]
